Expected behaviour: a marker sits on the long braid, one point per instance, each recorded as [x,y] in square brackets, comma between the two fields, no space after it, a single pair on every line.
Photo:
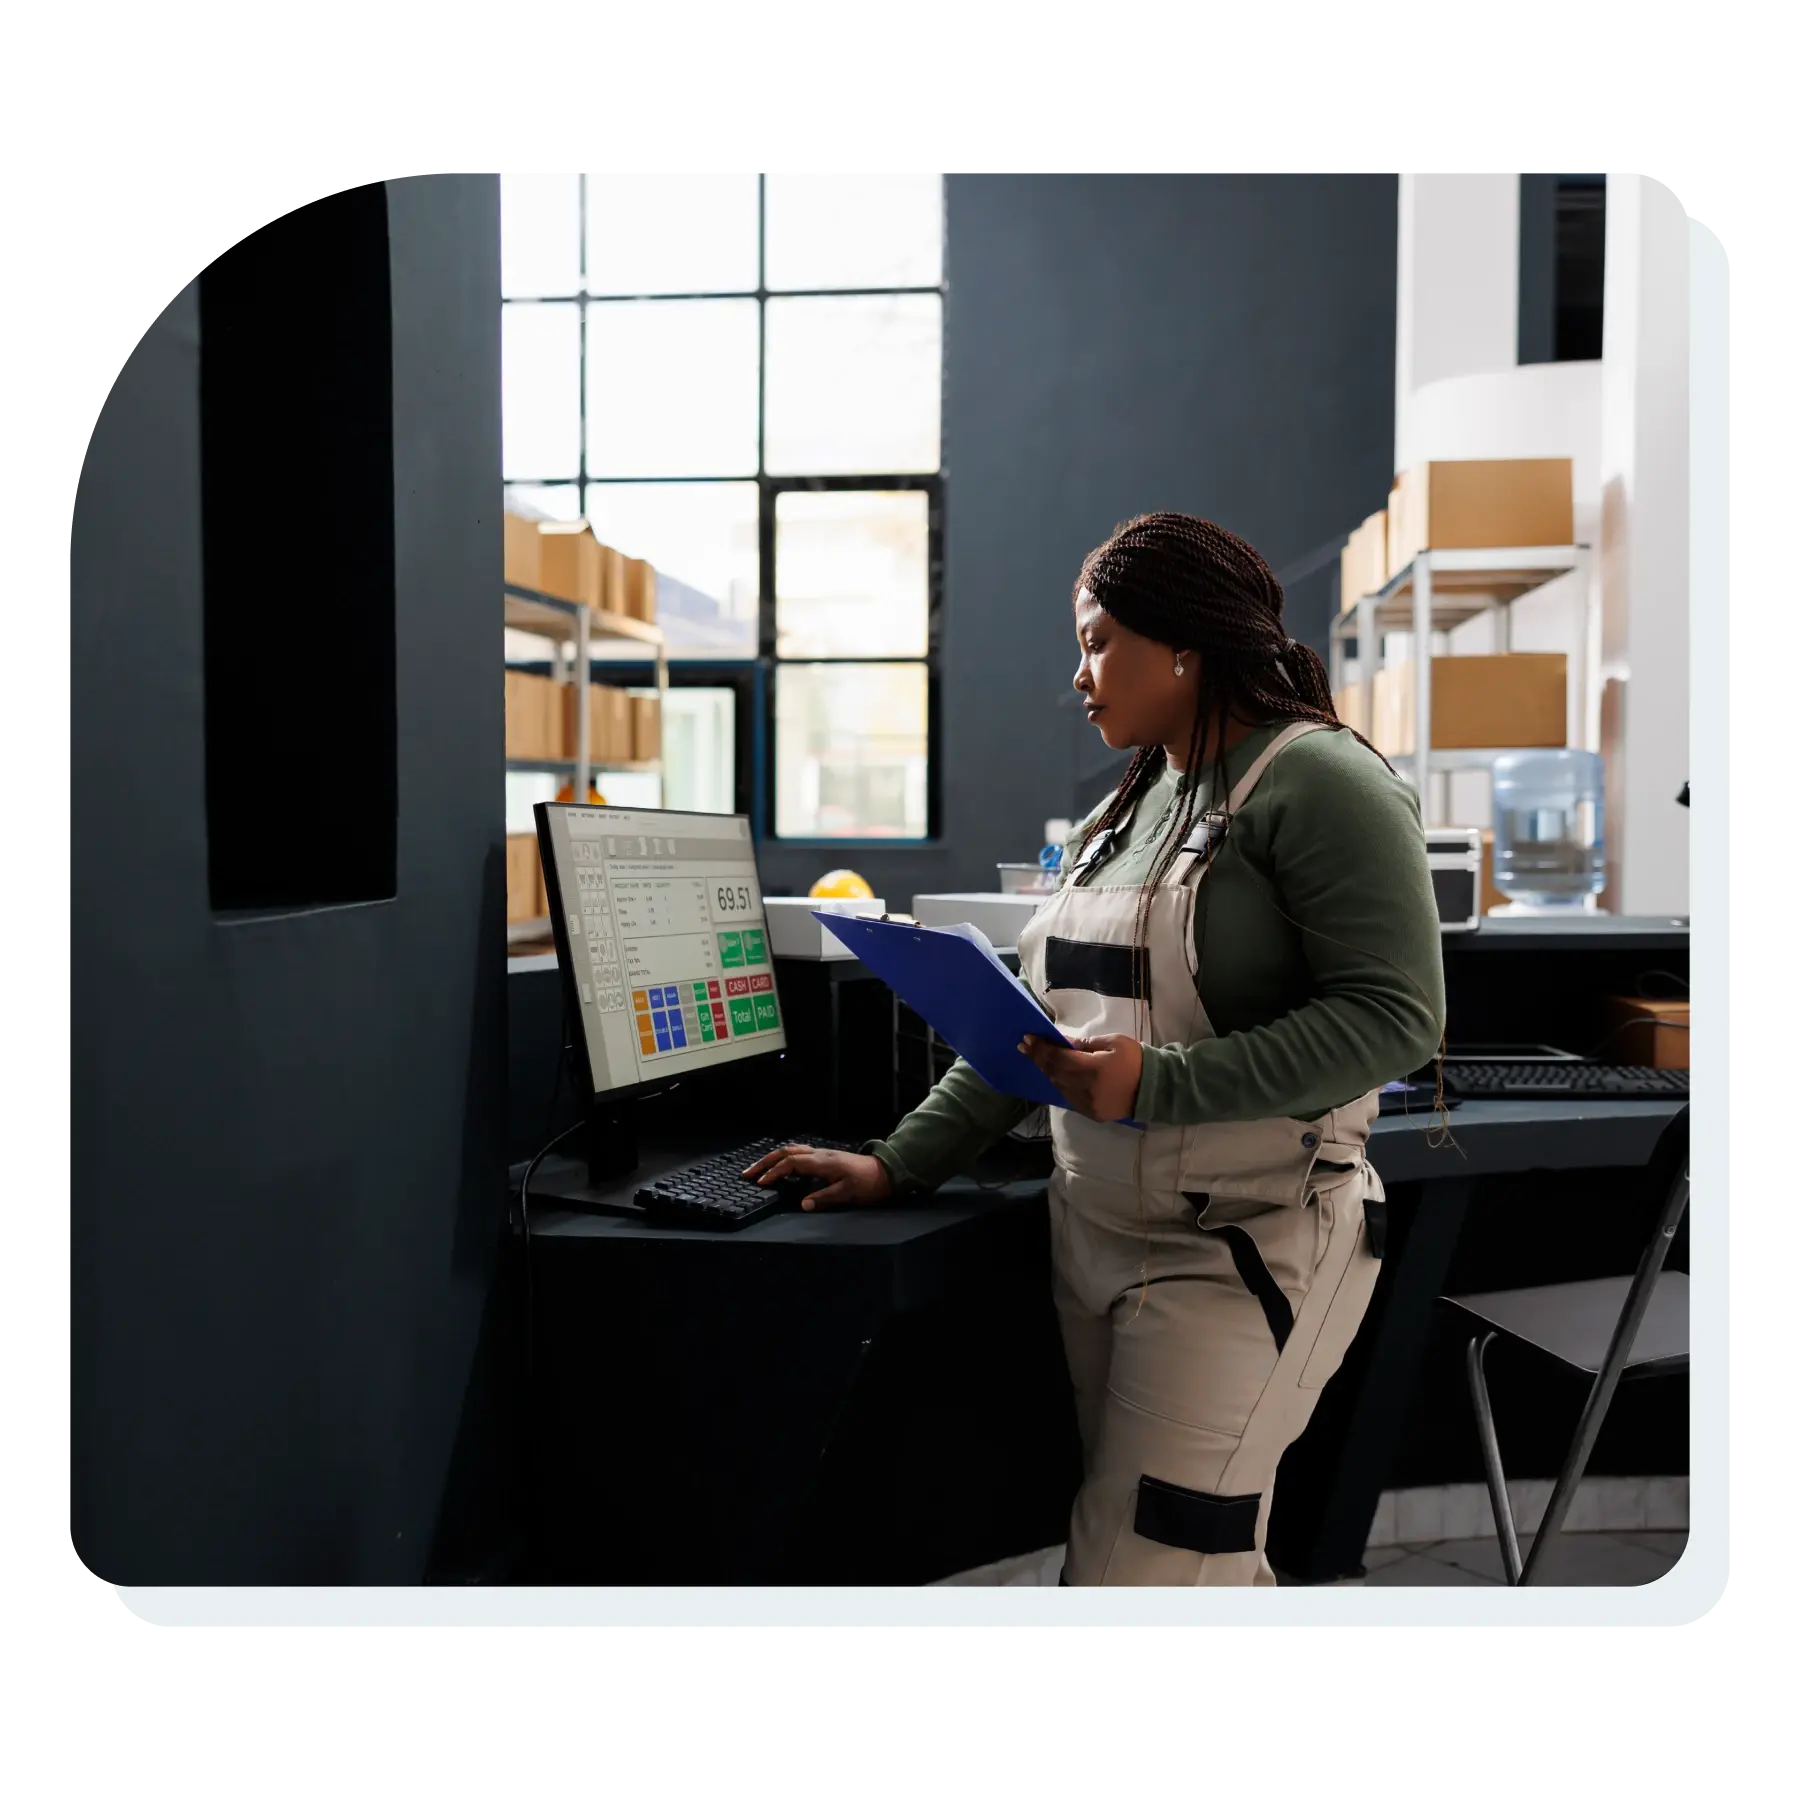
[1193,585]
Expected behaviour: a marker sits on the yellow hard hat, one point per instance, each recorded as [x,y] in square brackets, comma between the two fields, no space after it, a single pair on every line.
[841,884]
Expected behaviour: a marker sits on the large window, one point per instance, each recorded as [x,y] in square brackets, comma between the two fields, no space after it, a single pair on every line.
[738,378]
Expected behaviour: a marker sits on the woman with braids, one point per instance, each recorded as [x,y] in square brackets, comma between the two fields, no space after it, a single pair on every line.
[1243,949]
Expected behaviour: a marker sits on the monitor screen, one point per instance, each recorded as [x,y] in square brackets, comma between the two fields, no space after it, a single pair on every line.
[661,936]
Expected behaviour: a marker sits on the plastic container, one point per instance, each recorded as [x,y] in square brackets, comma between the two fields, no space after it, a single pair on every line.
[1549,842]
[1025,878]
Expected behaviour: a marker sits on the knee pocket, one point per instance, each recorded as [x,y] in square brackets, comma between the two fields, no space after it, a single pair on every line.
[1188,1519]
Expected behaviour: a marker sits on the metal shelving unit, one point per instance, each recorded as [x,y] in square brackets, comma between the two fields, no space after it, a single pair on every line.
[1437,590]
[573,628]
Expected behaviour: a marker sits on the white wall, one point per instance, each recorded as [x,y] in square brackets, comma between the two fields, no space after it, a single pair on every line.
[1460,393]
[1645,479]
[1542,409]
[1457,307]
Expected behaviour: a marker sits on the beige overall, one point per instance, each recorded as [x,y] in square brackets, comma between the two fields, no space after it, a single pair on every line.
[1208,1278]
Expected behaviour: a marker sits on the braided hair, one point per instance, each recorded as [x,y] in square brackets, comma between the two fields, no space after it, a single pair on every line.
[1192,585]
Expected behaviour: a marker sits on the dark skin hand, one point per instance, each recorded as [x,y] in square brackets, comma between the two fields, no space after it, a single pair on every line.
[851,1180]
[1098,1076]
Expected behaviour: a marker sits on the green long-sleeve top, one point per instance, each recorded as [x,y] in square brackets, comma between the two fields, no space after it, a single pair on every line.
[1310,1010]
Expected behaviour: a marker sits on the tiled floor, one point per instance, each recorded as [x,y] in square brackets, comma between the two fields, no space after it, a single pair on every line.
[1621,1531]
[1575,1559]
[1578,1559]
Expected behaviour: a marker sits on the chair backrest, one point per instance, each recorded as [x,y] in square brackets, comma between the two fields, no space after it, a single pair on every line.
[1668,1159]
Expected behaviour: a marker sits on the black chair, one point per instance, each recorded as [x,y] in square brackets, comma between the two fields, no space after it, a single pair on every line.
[1613,1330]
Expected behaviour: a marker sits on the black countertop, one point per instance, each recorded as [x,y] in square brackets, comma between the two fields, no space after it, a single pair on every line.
[1485,1137]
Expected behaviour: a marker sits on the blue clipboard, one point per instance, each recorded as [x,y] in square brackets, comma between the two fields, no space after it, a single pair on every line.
[972,1005]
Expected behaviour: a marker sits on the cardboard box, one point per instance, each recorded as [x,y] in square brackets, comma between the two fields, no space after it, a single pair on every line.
[522,561]
[1477,703]
[534,716]
[569,562]
[525,898]
[521,715]
[1352,704]
[610,725]
[639,597]
[1647,1033]
[571,731]
[1491,896]
[612,580]
[558,734]
[1363,565]
[646,728]
[619,726]
[1480,506]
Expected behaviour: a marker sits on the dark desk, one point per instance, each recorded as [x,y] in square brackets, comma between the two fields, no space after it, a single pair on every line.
[877,1395]
[867,1396]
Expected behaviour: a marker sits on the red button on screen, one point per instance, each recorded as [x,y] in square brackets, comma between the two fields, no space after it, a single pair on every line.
[736,984]
[762,984]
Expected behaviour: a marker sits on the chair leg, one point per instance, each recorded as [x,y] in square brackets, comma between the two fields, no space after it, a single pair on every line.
[1490,1457]
[1612,1366]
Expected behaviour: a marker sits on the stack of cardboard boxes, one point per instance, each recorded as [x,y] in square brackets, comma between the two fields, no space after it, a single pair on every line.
[541,722]
[567,561]
[1477,702]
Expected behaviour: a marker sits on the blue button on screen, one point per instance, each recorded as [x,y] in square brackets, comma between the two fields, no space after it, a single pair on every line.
[662,1035]
[671,999]
[679,1036]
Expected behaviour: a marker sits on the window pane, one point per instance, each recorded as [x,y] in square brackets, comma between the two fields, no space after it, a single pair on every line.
[671,234]
[850,574]
[672,388]
[540,408]
[850,750]
[853,386]
[699,749]
[540,234]
[701,537]
[560,502]
[831,231]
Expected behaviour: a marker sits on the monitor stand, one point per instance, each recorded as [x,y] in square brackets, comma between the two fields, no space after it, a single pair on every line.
[612,1140]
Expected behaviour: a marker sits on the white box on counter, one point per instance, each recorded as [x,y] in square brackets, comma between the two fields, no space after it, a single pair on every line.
[793,931]
[1000,917]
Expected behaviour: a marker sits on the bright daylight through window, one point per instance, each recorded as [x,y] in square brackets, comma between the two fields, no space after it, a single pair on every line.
[737,378]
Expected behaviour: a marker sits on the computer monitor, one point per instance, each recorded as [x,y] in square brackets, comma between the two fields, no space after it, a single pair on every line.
[663,950]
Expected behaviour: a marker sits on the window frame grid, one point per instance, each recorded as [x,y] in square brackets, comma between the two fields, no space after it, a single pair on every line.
[768,663]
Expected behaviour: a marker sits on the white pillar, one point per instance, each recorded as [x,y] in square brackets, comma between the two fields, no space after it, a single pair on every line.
[1644,541]
[1457,305]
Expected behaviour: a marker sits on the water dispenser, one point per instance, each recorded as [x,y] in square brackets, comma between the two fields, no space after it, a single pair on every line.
[1549,842]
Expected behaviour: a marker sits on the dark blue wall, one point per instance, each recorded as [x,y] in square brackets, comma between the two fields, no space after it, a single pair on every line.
[1221,345]
[288,1177]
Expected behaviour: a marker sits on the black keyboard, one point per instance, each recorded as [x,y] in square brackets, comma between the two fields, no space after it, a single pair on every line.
[712,1194]
[1506,1080]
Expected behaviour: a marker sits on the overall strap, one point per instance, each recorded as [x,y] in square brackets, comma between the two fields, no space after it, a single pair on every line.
[1099,847]
[1209,830]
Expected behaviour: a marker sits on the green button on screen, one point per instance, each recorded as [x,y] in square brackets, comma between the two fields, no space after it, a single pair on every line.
[731,950]
[767,1018]
[743,1014]
[753,948]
